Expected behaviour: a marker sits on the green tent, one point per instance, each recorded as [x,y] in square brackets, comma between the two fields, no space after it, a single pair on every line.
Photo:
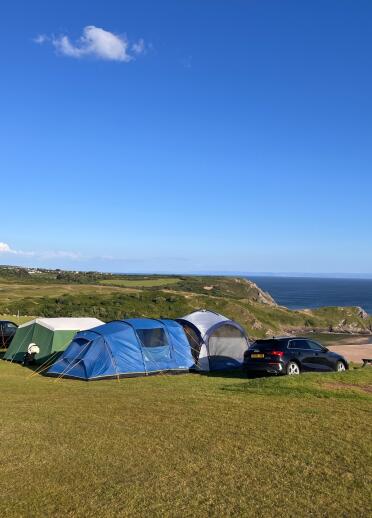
[51,335]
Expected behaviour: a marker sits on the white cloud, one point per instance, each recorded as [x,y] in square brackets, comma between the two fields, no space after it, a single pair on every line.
[7,249]
[96,42]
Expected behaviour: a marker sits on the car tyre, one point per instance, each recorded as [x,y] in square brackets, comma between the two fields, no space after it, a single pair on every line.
[340,366]
[293,369]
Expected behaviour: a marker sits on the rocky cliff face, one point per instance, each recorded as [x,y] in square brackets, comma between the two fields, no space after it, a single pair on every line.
[258,295]
[361,313]
[353,320]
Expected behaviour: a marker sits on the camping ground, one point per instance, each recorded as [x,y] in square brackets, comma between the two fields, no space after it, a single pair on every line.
[191,445]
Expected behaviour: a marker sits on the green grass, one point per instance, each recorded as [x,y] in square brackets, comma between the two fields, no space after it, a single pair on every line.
[186,445]
[16,319]
[141,283]
[13,293]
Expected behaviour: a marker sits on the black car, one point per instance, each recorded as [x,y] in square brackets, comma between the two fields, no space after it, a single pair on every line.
[291,355]
[7,331]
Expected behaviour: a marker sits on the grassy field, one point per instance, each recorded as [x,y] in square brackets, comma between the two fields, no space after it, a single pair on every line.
[187,445]
[140,283]
[17,319]
[12,292]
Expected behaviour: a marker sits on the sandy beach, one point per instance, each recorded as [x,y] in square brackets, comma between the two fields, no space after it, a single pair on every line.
[358,348]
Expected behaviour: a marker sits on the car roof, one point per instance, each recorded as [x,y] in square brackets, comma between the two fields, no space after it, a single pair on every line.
[8,322]
[282,338]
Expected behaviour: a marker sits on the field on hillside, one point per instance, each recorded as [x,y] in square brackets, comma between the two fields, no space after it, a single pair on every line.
[190,445]
[13,292]
[140,283]
[56,293]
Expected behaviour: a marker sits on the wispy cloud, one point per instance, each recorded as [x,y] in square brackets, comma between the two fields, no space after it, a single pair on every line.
[139,47]
[95,42]
[41,38]
[6,249]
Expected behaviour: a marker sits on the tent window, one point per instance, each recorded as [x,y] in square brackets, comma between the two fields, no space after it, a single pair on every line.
[81,341]
[78,348]
[227,341]
[153,337]
[227,331]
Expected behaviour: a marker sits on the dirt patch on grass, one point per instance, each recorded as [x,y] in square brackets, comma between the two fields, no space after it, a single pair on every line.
[338,386]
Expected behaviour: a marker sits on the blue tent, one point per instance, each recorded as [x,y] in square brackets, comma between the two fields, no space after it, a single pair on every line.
[123,348]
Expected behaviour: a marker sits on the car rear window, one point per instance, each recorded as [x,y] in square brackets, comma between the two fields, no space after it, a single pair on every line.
[268,345]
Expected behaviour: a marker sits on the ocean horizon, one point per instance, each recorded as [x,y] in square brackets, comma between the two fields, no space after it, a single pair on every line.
[314,292]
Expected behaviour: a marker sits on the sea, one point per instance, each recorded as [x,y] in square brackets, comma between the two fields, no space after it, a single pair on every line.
[310,292]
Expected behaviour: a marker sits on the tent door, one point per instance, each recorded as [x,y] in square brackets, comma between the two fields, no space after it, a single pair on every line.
[226,347]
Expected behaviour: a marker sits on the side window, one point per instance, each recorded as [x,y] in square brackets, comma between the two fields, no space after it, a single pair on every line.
[9,326]
[153,337]
[314,346]
[299,344]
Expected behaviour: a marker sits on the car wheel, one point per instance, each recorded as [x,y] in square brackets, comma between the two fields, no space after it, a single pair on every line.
[293,369]
[340,366]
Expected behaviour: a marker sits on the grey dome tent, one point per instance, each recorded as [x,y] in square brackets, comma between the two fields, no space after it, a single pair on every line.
[216,342]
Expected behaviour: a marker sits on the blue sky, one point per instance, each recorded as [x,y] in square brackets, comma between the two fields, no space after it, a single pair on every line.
[189,136]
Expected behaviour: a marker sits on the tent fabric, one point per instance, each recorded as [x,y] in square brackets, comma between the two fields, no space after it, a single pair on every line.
[122,348]
[51,335]
[217,343]
[204,320]
[65,324]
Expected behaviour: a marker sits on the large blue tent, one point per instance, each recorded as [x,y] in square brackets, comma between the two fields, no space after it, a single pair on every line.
[133,347]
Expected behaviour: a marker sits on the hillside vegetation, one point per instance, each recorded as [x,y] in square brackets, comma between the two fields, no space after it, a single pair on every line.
[53,293]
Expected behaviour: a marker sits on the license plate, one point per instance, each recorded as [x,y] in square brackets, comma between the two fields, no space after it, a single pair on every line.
[257,356]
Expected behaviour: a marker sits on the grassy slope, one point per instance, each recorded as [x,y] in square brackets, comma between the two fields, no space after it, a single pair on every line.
[14,291]
[155,296]
[140,283]
[186,445]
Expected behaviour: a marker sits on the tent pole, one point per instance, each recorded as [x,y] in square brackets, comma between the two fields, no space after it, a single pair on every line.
[40,368]
[112,359]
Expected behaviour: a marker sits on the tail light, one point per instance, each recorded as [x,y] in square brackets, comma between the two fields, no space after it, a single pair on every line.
[277,353]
